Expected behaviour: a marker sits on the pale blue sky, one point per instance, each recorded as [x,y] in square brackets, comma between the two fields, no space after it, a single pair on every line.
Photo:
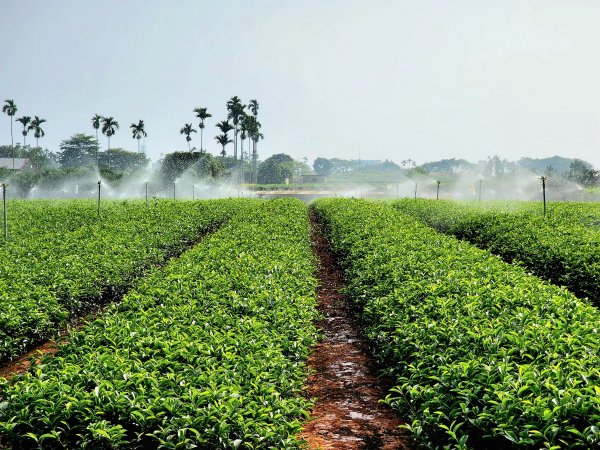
[425,79]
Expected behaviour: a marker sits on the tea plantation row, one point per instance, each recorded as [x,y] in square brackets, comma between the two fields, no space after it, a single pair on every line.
[50,273]
[484,355]
[207,352]
[563,248]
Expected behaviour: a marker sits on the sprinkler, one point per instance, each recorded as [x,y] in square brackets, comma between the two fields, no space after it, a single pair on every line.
[99,184]
[544,193]
[4,186]
[437,194]
[174,192]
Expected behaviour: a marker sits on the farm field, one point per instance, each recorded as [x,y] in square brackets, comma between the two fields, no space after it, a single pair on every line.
[563,247]
[208,349]
[484,355]
[56,265]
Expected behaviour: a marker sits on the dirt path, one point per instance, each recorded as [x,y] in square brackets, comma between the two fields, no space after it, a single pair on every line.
[347,414]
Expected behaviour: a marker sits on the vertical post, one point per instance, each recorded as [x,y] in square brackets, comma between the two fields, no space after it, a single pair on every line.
[174,193]
[99,183]
[4,202]
[437,194]
[480,190]
[415,190]
[544,193]
[193,192]
[146,193]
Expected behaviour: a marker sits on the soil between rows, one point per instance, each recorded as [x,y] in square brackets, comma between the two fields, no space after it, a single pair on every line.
[347,414]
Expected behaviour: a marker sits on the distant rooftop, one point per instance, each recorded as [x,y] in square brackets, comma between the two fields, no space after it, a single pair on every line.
[20,163]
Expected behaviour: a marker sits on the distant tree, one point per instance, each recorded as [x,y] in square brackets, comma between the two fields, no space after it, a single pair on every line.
[203,165]
[78,151]
[138,132]
[276,169]
[10,109]
[109,128]
[36,126]
[202,114]
[121,160]
[224,126]
[456,165]
[244,129]
[583,173]
[223,140]
[235,110]
[187,130]
[254,134]
[25,122]
[495,167]
[322,166]
[41,158]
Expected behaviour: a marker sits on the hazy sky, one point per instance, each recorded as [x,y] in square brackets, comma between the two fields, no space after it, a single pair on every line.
[425,79]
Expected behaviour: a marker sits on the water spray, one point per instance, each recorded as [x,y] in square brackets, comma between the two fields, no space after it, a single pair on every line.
[480,189]
[544,193]
[415,190]
[437,194]
[193,192]
[146,193]
[99,184]
[4,186]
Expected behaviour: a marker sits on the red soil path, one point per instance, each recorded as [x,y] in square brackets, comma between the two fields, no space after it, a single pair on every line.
[347,414]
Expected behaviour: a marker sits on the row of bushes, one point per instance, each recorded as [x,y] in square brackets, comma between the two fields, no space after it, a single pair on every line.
[562,250]
[61,260]
[207,352]
[484,355]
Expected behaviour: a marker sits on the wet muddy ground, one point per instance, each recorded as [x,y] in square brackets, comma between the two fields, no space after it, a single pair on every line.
[347,414]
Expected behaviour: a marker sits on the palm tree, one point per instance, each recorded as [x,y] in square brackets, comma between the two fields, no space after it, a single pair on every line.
[235,109]
[24,121]
[243,133]
[253,106]
[187,130]
[10,109]
[254,134]
[202,114]
[96,120]
[109,128]
[138,131]
[96,123]
[36,126]
[223,139]
[224,126]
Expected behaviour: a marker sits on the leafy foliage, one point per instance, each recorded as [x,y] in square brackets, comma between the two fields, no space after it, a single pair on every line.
[484,354]
[556,248]
[206,353]
[61,259]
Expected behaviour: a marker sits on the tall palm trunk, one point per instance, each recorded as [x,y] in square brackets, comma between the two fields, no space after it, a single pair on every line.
[201,149]
[254,161]
[138,145]
[97,148]
[12,141]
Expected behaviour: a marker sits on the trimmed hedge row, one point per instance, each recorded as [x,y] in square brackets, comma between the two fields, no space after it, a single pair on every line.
[484,354]
[207,352]
[562,251]
[54,272]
